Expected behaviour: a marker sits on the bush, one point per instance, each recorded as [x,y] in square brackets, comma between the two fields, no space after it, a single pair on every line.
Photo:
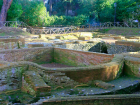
[65,20]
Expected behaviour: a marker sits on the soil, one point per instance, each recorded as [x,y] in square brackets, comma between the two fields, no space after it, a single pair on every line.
[55,65]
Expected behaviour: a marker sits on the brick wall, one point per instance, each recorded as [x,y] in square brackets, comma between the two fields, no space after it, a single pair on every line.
[37,55]
[80,58]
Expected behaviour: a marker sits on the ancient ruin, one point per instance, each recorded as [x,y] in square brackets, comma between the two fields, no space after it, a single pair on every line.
[73,68]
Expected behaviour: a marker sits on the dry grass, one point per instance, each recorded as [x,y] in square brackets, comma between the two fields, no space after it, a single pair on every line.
[10,31]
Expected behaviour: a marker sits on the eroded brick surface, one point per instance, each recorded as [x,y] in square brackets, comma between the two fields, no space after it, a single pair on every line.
[34,84]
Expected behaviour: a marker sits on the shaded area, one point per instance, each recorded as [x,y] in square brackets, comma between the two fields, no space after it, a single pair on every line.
[99,47]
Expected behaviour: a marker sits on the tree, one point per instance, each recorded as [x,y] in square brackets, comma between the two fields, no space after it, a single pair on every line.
[14,11]
[50,7]
[34,13]
[6,5]
[125,9]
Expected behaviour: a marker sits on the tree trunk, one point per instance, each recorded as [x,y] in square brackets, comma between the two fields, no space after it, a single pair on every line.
[6,5]
[50,9]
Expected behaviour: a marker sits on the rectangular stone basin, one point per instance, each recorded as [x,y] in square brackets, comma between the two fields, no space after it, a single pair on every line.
[86,66]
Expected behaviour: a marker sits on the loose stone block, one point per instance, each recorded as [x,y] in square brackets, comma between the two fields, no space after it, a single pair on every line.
[34,84]
[83,38]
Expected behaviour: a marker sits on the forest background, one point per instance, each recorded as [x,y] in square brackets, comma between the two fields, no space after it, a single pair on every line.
[72,12]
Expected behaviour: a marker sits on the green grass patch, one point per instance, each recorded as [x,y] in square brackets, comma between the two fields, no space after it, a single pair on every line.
[2,34]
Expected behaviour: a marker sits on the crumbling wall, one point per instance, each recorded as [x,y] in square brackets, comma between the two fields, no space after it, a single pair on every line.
[10,77]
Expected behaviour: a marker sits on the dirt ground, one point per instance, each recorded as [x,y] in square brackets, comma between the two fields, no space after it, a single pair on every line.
[55,65]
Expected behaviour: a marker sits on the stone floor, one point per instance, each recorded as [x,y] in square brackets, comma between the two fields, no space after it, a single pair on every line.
[123,85]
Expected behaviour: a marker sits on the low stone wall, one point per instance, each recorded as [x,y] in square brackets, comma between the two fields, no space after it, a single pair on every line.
[97,46]
[126,99]
[132,65]
[80,58]
[118,48]
[22,40]
[11,43]
[128,43]
[78,46]
[104,72]
[11,72]
[37,55]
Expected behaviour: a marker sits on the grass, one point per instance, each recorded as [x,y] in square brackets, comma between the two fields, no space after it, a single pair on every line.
[123,31]
[10,31]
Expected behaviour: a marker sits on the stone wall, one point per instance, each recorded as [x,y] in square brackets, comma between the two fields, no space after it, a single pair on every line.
[132,65]
[113,48]
[10,77]
[38,55]
[118,49]
[77,46]
[126,99]
[105,72]
[98,66]
[80,58]
[11,43]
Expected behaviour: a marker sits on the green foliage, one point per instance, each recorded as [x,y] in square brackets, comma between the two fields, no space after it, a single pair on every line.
[34,14]
[15,11]
[101,10]
[125,8]
[65,20]
[1,2]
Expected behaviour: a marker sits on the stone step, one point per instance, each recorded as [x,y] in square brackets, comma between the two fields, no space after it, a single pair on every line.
[33,84]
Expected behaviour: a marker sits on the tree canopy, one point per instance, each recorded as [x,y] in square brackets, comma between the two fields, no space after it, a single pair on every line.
[67,12]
